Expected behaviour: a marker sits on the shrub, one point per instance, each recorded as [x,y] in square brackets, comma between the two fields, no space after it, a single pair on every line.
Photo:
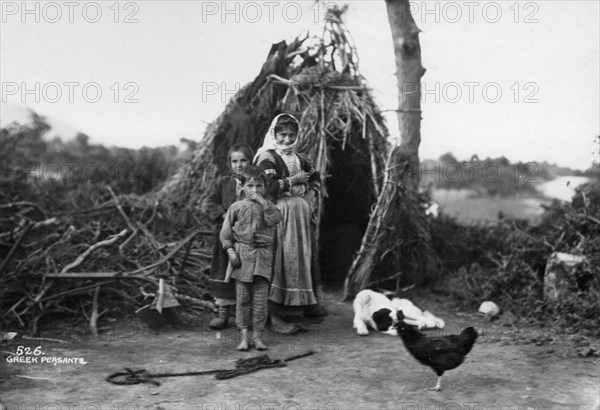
[506,262]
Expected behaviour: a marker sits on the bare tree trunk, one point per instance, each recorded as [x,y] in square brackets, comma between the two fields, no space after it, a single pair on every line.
[409,71]
[397,227]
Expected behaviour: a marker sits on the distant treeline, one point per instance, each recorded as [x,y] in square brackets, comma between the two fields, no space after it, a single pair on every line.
[31,165]
[493,176]
[28,159]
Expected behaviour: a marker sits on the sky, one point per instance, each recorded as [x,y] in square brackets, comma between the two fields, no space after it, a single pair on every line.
[512,78]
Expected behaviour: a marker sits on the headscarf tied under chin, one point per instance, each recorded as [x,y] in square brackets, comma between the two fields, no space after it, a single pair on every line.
[269,141]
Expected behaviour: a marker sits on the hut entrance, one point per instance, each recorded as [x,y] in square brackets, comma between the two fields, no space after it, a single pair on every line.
[346,211]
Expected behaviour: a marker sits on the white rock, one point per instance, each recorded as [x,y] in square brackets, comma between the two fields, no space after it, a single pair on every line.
[489,308]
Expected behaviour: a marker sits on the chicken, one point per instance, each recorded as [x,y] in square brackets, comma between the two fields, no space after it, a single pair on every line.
[441,353]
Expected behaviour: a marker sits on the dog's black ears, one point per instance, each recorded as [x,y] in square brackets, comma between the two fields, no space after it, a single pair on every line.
[400,315]
[382,313]
[383,319]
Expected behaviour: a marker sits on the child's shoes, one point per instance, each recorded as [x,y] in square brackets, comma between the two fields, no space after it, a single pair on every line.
[244,344]
[257,342]
[220,322]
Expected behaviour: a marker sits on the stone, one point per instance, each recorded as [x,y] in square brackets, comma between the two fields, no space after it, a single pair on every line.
[489,309]
[558,277]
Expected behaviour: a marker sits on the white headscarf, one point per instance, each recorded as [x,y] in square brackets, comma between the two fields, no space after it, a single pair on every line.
[269,141]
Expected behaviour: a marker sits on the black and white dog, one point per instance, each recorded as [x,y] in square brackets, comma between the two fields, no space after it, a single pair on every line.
[380,312]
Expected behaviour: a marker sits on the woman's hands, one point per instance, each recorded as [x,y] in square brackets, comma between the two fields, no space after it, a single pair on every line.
[300,178]
[234,259]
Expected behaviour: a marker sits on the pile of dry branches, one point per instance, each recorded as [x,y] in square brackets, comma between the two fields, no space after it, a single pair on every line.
[60,262]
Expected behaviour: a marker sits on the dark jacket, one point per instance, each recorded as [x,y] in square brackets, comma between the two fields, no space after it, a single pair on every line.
[278,174]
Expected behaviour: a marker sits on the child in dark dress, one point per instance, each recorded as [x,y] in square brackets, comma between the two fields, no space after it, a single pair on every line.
[225,191]
[247,236]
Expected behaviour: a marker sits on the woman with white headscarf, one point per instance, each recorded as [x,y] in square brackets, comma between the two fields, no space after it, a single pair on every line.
[293,183]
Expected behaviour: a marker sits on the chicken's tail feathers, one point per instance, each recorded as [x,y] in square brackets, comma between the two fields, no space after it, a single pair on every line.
[471,333]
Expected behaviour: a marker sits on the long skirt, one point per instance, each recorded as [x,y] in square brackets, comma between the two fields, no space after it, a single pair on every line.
[292,283]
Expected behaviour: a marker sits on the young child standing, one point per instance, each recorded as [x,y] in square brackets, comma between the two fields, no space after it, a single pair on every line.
[225,191]
[247,236]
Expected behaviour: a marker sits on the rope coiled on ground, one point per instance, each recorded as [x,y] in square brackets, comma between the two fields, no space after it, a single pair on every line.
[242,366]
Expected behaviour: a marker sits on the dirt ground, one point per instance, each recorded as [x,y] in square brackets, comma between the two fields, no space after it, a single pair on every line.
[508,368]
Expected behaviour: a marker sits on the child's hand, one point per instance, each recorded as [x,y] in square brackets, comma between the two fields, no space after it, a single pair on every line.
[256,197]
[309,196]
[233,258]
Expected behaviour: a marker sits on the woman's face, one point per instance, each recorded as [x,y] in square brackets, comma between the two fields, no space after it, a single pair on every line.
[285,137]
[238,162]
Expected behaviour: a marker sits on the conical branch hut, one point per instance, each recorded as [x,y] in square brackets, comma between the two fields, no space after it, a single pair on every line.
[343,133]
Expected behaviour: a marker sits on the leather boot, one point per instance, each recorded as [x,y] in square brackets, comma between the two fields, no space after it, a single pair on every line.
[220,322]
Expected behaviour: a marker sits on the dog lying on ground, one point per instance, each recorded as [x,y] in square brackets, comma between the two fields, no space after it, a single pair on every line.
[380,312]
